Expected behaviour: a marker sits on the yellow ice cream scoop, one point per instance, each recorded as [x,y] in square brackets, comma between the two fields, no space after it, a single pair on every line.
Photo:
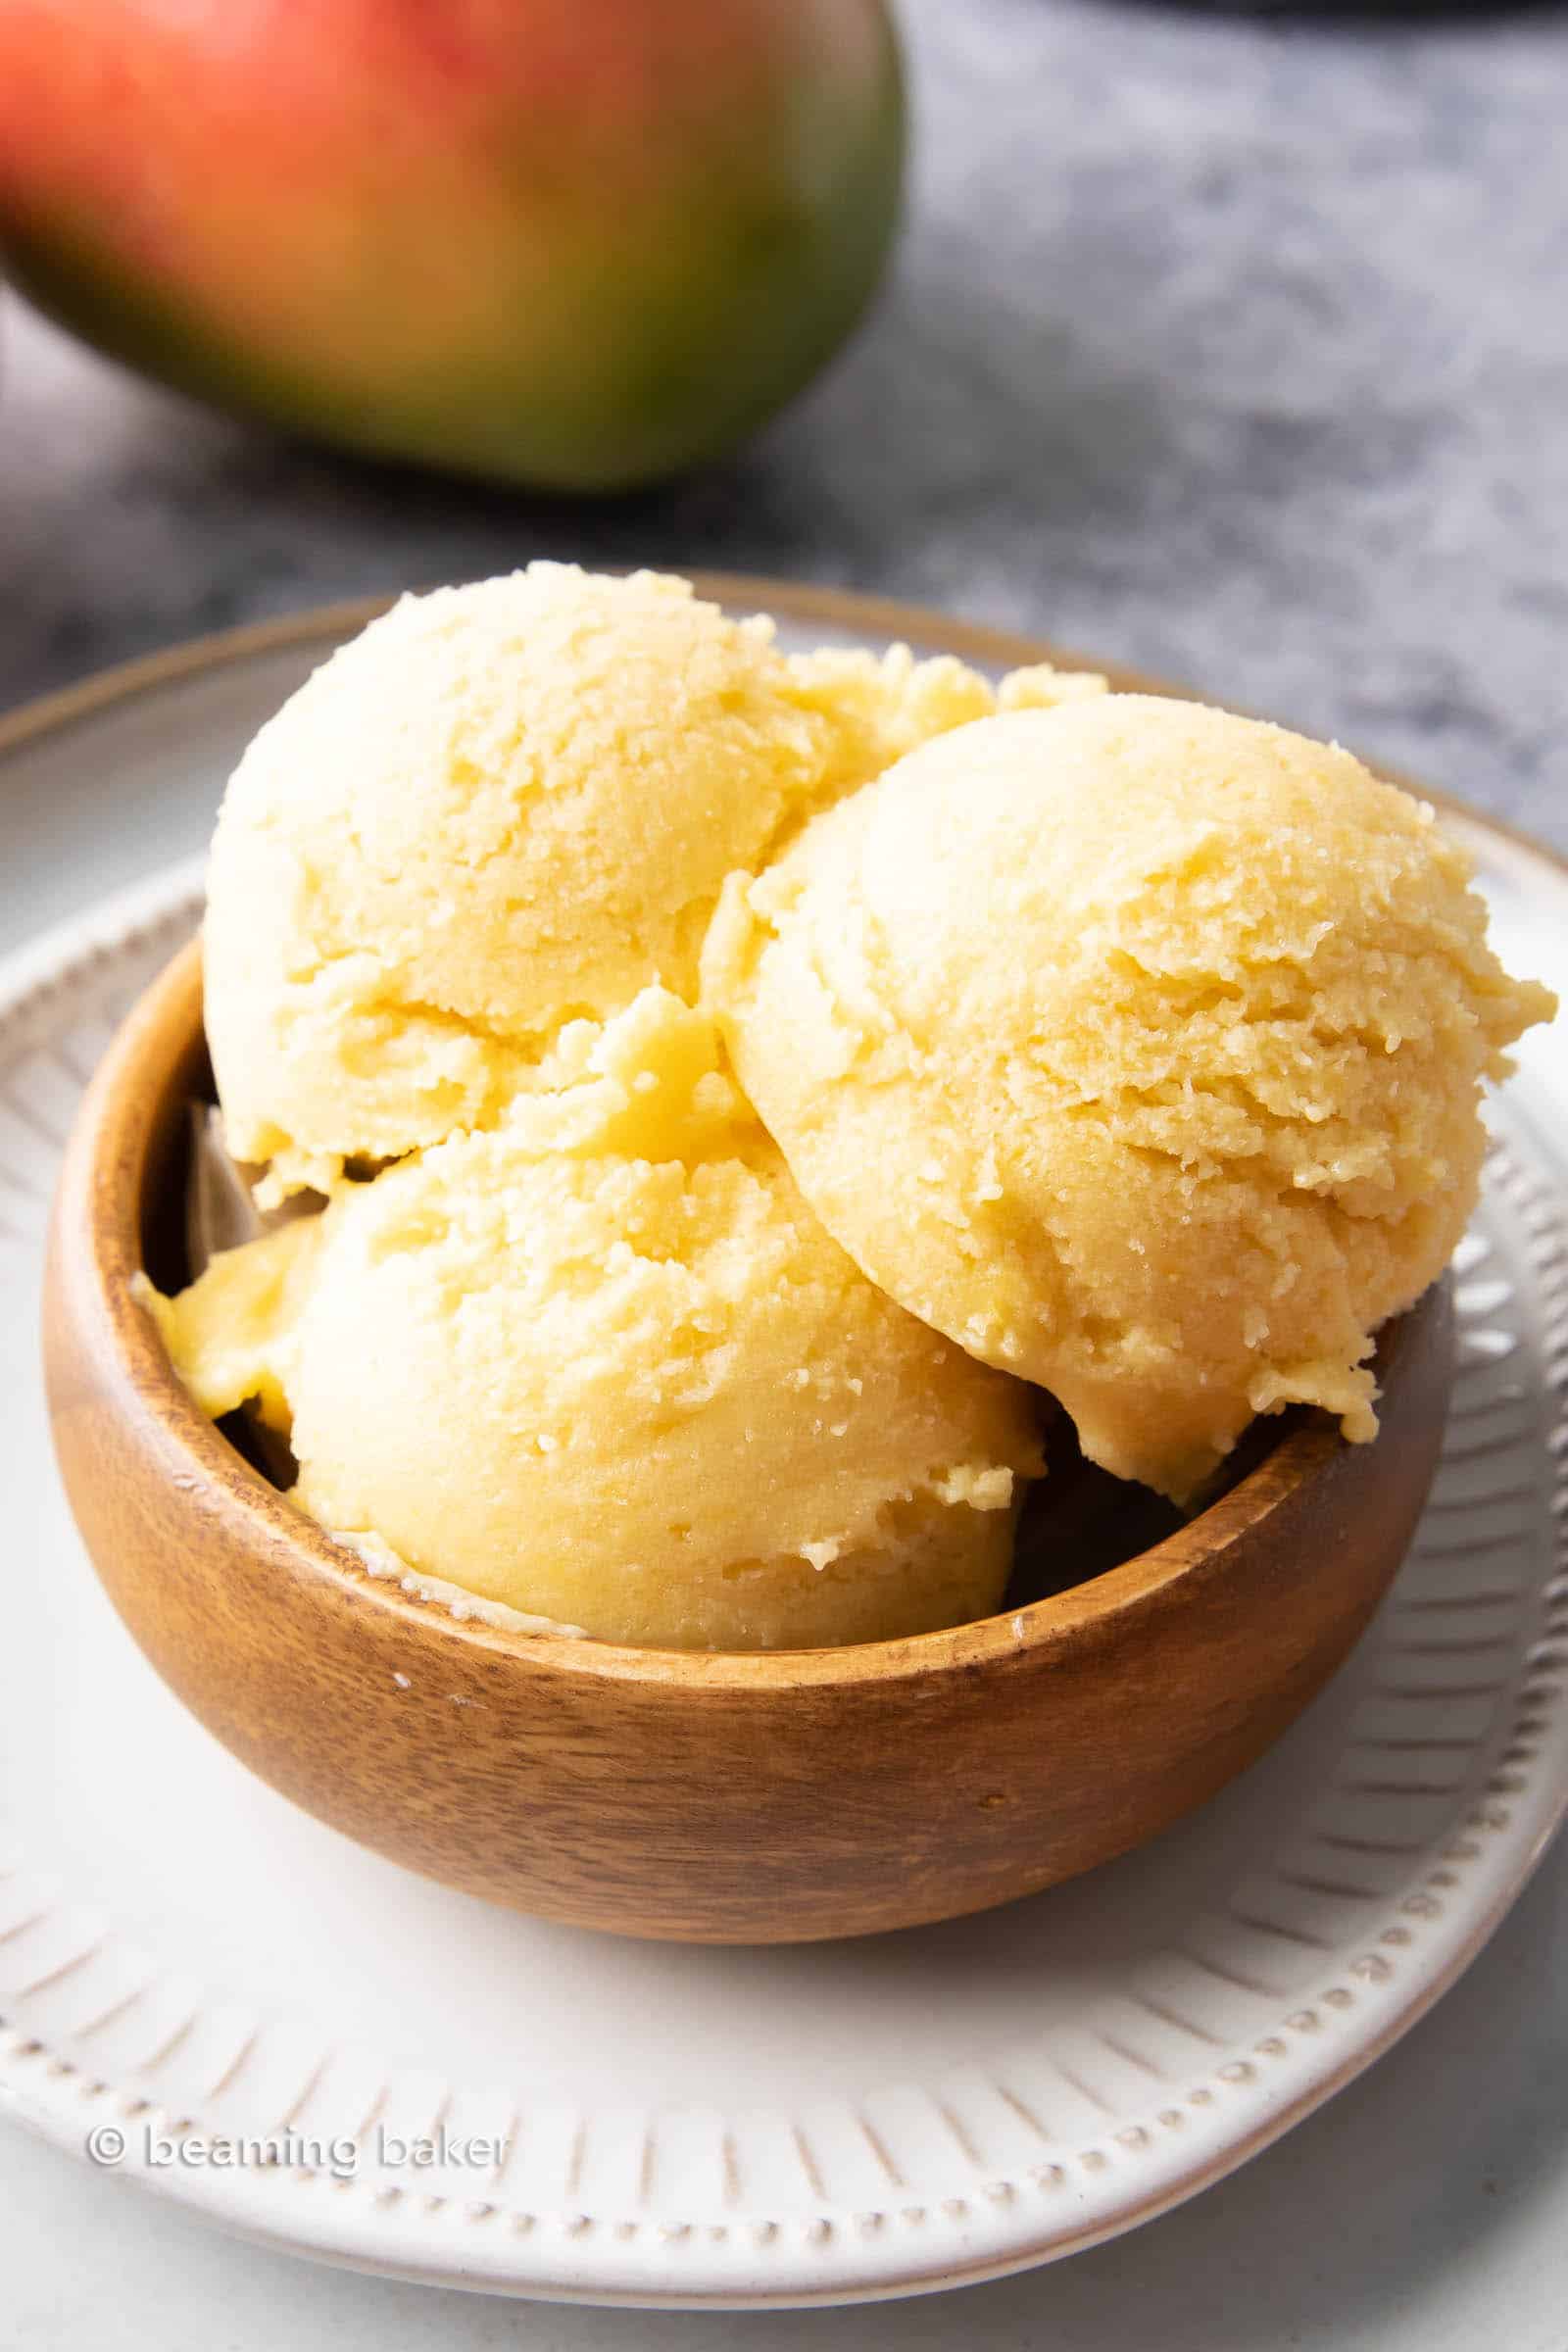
[878,707]
[503,808]
[601,1364]
[1136,1047]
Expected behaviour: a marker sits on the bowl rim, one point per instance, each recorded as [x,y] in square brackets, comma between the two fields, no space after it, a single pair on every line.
[98,1220]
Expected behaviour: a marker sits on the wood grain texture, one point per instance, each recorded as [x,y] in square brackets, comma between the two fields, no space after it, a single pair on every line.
[716,1799]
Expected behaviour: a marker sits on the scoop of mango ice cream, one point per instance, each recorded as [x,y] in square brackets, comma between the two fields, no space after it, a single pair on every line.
[504,808]
[601,1364]
[501,806]
[228,1331]
[1137,1048]
[880,706]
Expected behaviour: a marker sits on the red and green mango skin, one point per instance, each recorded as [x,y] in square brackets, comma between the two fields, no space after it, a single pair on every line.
[576,244]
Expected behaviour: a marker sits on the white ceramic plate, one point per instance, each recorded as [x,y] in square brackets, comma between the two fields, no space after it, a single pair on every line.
[186,1962]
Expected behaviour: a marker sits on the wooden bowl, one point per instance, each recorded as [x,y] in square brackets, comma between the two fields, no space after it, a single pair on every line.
[734,1798]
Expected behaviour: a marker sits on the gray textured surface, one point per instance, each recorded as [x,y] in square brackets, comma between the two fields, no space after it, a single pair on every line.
[1235,347]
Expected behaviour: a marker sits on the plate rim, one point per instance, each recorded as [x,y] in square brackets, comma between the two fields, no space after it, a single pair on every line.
[113,924]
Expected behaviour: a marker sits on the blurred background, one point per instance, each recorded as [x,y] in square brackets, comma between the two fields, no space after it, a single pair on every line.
[1233,346]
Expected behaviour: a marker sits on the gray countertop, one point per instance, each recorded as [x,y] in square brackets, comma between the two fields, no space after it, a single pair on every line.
[1237,348]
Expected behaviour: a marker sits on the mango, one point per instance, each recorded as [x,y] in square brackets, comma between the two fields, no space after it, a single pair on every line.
[575,244]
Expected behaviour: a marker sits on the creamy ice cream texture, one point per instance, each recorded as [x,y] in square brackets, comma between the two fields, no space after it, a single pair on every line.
[602,1364]
[1136,1047]
[501,809]
[1116,1043]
